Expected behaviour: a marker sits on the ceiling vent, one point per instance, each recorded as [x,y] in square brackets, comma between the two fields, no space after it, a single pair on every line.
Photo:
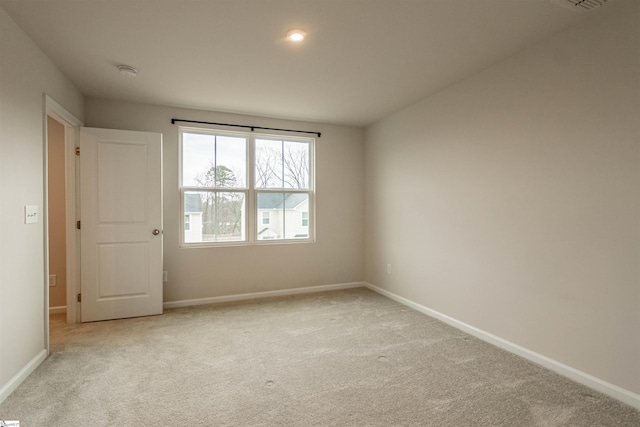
[581,6]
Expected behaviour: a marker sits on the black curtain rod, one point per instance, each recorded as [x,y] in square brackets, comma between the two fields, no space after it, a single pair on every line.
[173,122]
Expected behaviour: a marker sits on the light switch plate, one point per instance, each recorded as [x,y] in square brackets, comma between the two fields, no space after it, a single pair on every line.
[30,214]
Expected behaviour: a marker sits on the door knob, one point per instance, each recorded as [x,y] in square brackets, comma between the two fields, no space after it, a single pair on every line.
[156,232]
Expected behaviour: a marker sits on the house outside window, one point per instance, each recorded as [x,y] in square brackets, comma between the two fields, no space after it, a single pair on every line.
[245,188]
[192,218]
[285,211]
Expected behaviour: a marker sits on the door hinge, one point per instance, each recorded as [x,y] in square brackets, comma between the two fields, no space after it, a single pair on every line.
[78,224]
[77,151]
[79,297]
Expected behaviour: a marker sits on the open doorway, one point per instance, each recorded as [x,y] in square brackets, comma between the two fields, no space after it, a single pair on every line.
[60,206]
[56,215]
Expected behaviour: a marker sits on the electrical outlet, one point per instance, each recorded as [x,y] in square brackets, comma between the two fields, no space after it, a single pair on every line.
[388,268]
[165,276]
[52,280]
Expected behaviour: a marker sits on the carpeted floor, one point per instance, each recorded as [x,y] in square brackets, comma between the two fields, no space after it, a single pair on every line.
[343,358]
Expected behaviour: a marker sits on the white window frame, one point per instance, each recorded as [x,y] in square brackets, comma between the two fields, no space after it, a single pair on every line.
[252,221]
[187,222]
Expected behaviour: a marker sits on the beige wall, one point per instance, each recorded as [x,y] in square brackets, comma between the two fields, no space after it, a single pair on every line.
[336,257]
[511,201]
[57,209]
[25,74]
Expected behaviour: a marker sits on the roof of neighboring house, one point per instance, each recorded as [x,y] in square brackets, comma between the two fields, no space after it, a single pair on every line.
[192,203]
[275,200]
[266,231]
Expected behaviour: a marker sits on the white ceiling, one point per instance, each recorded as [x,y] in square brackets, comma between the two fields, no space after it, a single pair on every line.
[362,60]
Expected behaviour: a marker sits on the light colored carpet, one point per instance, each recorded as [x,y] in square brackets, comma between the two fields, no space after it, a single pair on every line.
[340,358]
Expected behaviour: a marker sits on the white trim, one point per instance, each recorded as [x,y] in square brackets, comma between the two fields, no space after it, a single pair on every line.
[22,375]
[265,294]
[57,310]
[60,113]
[72,178]
[45,214]
[583,378]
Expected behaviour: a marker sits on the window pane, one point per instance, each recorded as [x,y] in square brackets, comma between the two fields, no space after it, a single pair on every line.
[268,164]
[286,212]
[215,216]
[197,158]
[296,205]
[296,164]
[231,162]
[213,161]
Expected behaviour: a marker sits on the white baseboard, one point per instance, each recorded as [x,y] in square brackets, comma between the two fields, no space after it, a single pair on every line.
[56,310]
[265,294]
[22,375]
[583,378]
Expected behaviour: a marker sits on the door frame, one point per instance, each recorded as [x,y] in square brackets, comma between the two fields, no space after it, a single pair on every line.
[72,128]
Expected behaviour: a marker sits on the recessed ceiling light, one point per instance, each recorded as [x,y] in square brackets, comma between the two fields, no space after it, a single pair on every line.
[127,70]
[296,35]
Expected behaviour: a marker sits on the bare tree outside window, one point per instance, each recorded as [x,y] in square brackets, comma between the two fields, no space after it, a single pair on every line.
[295,159]
[221,210]
[268,166]
[281,164]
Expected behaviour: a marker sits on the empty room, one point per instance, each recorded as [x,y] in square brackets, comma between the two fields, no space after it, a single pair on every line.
[320,212]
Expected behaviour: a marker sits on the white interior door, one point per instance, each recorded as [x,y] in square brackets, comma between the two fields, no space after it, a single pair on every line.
[121,223]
